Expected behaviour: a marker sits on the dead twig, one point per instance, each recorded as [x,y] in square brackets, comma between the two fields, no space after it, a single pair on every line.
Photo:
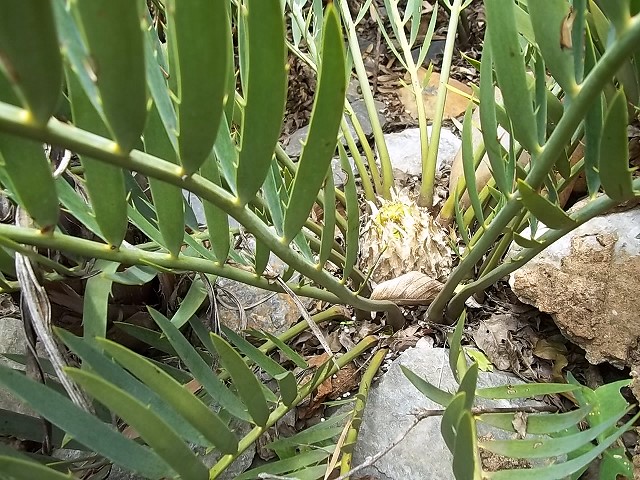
[38,310]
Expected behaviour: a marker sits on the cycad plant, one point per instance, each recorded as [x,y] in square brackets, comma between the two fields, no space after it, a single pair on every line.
[553,445]
[177,120]
[565,72]
[169,413]
[159,126]
[193,99]
[557,70]
[566,79]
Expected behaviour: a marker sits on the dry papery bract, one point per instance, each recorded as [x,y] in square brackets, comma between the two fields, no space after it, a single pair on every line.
[401,237]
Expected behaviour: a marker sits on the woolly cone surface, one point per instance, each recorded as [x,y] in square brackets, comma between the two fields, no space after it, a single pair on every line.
[402,237]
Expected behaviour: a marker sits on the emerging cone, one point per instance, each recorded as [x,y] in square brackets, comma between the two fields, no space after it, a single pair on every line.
[403,237]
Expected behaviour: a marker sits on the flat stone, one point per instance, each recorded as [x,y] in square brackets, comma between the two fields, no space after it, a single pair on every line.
[263,310]
[353,90]
[339,175]
[436,49]
[296,141]
[588,282]
[360,109]
[118,473]
[388,414]
[405,152]
[240,464]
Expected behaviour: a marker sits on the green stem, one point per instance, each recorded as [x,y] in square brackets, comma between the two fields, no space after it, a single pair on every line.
[596,207]
[41,259]
[360,280]
[468,219]
[447,212]
[429,163]
[367,96]
[281,410]
[371,161]
[599,77]
[367,186]
[358,409]
[161,260]
[285,160]
[15,120]
[10,286]
[493,259]
[368,152]
[334,313]
[470,215]
[416,83]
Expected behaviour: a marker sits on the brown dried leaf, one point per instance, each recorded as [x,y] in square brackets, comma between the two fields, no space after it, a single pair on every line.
[549,350]
[406,338]
[455,104]
[344,380]
[412,288]
[505,340]
[565,30]
[519,423]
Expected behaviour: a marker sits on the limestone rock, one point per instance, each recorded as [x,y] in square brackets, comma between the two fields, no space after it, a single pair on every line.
[405,153]
[340,175]
[388,414]
[588,282]
[263,310]
[297,139]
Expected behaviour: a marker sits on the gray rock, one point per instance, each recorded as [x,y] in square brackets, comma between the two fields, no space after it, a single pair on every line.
[404,150]
[198,209]
[118,473]
[388,414]
[12,340]
[296,142]
[297,139]
[263,310]
[353,90]
[587,282]
[339,175]
[436,49]
[360,109]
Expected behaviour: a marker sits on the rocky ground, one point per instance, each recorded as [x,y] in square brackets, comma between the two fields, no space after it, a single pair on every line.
[573,308]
